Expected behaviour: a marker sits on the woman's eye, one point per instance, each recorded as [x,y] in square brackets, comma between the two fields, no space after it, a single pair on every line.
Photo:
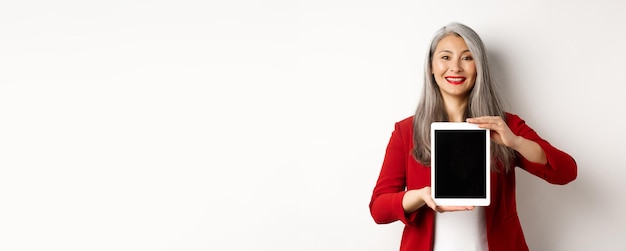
[468,58]
[445,57]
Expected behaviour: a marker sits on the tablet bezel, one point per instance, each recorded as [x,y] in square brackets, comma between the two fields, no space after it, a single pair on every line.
[439,126]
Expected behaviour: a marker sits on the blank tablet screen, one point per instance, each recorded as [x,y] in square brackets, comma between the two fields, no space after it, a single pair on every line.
[460,164]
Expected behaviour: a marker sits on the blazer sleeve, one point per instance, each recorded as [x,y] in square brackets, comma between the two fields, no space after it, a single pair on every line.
[386,202]
[560,169]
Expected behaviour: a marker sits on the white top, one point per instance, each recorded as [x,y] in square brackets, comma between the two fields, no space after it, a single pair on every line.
[463,230]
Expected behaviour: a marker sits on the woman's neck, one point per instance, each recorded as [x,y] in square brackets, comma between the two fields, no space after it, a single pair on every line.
[455,108]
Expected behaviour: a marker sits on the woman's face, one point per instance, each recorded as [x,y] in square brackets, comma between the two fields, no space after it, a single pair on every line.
[453,67]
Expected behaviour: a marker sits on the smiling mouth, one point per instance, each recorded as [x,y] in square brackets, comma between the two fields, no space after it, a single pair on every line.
[455,80]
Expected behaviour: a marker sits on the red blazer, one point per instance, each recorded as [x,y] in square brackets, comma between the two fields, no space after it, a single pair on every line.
[401,172]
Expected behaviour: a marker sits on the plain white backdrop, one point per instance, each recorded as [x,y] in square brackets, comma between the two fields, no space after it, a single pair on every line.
[261,125]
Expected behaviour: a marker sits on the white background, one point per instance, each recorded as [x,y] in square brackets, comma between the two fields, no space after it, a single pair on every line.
[261,125]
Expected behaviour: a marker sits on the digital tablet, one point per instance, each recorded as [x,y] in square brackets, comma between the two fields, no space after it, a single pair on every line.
[460,162]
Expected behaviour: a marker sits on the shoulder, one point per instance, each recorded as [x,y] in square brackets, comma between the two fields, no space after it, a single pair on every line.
[405,125]
[404,128]
[407,122]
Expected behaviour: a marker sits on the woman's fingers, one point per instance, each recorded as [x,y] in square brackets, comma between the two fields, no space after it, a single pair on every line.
[424,194]
[500,131]
[490,122]
[443,209]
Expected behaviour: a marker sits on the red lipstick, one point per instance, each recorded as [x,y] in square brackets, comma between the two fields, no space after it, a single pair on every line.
[455,80]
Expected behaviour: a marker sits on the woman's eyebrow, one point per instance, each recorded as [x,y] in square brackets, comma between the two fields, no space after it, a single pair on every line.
[449,51]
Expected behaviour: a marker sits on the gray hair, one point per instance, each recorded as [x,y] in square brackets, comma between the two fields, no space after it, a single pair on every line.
[483,98]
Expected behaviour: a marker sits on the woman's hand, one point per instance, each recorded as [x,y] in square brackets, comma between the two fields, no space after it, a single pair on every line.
[500,131]
[414,199]
[502,134]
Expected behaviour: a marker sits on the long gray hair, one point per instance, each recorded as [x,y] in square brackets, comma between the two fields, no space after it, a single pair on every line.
[483,98]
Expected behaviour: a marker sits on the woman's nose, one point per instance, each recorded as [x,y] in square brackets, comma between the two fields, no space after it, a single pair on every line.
[455,66]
